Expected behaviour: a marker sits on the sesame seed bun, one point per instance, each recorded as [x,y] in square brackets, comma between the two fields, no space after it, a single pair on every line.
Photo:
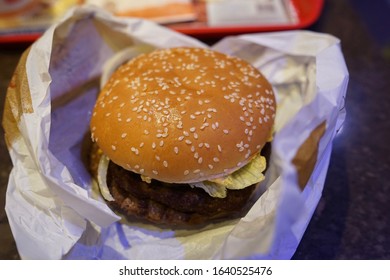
[183,115]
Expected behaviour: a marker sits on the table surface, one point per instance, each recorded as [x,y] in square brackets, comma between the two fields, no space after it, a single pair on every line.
[352,218]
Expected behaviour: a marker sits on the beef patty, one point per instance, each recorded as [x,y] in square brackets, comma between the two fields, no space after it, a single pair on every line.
[173,204]
[165,203]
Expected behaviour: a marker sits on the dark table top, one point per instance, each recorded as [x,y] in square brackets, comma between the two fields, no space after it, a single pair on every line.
[352,217]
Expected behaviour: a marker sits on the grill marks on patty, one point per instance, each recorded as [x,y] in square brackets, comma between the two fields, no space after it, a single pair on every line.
[174,204]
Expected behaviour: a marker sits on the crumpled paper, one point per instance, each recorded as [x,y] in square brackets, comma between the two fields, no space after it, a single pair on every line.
[54,208]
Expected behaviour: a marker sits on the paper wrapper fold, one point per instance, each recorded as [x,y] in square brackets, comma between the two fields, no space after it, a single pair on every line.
[52,204]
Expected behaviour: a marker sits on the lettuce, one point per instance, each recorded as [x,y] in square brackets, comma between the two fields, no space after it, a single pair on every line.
[244,177]
[248,175]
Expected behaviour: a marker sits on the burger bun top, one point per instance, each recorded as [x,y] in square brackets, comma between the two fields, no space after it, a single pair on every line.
[183,115]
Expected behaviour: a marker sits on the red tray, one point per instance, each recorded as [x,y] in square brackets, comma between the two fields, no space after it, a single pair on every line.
[308,11]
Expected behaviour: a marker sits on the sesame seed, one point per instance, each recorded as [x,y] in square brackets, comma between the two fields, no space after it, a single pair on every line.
[204,126]
[141,144]
[189,142]
[123,135]
[161,143]
[113,147]
[200,160]
[215,159]
[176,150]
[146,131]
[196,171]
[186,172]
[226,131]
[153,145]
[155,172]
[165,163]
[211,166]
[219,148]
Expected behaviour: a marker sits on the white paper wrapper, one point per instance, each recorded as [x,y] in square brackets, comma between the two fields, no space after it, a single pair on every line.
[54,209]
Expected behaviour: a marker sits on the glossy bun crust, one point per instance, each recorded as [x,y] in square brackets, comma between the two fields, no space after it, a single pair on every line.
[183,115]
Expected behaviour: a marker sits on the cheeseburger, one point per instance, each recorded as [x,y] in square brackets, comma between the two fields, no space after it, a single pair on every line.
[178,133]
